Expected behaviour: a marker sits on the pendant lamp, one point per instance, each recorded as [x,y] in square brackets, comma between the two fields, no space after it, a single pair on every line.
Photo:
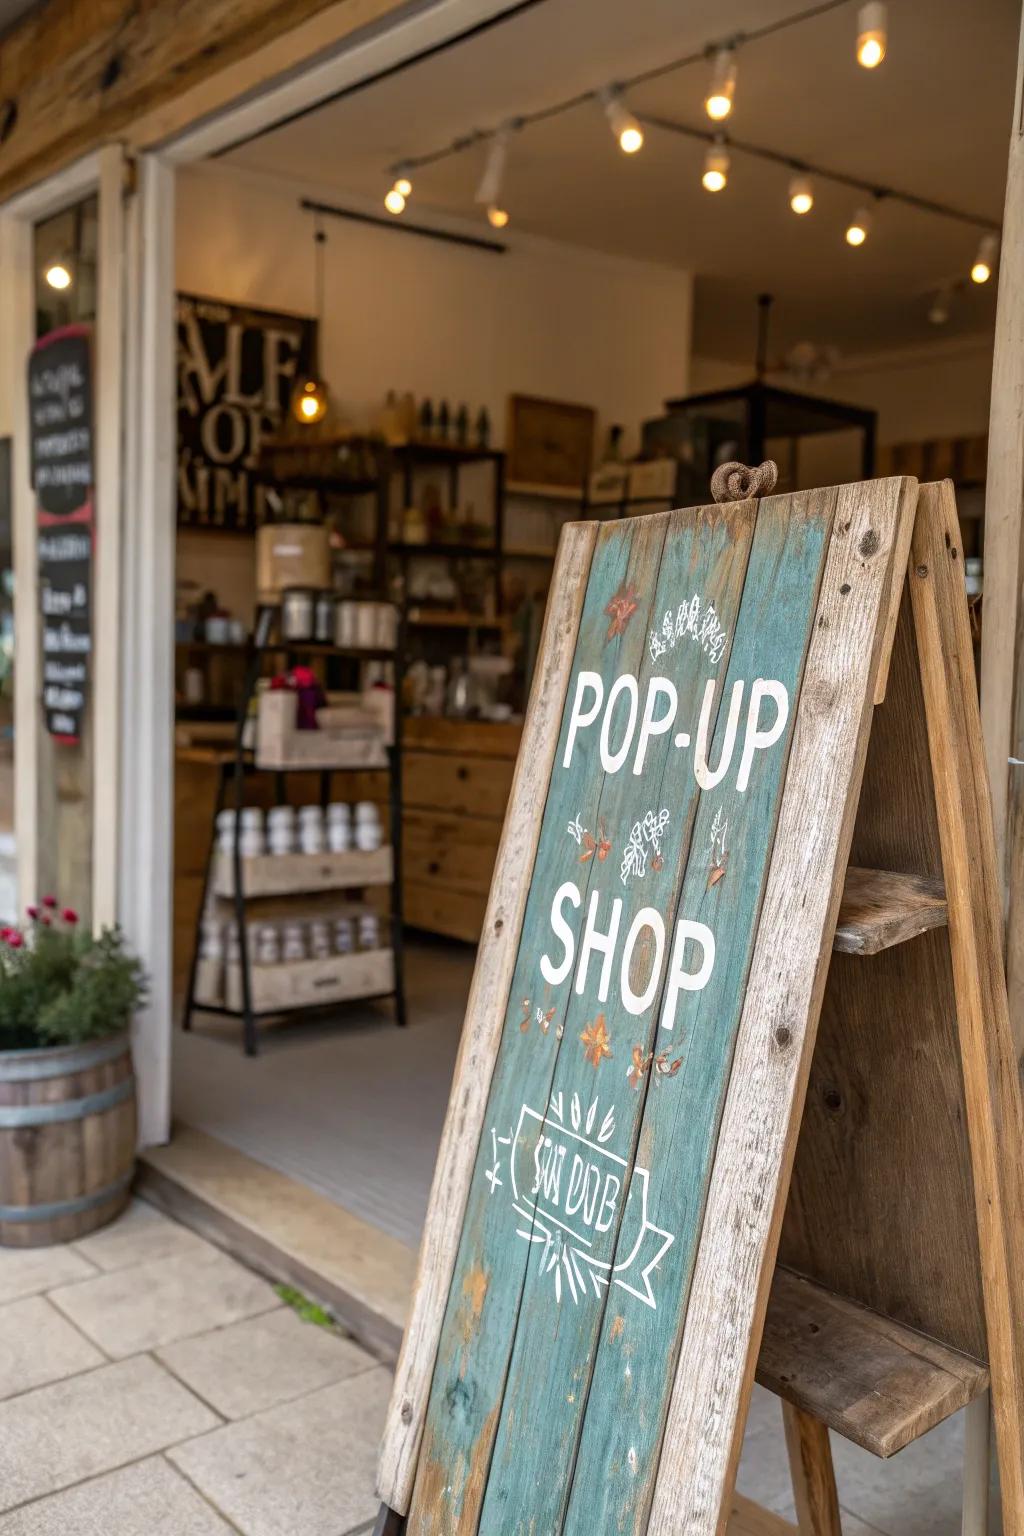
[309,397]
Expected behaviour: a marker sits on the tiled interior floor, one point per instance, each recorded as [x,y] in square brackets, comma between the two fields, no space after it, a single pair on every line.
[152,1386]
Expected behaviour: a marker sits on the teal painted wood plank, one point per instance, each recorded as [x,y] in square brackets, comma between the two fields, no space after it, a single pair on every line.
[574,1181]
[479,1324]
[733,835]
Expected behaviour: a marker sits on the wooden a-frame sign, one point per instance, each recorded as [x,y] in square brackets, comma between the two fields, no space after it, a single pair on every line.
[736,1087]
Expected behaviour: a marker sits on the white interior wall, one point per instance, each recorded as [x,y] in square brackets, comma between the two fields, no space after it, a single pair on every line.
[442,320]
[938,390]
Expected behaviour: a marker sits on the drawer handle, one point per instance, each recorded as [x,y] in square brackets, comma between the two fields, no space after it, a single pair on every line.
[462,772]
[433,868]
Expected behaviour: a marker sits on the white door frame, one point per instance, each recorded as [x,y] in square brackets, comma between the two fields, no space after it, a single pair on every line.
[102,173]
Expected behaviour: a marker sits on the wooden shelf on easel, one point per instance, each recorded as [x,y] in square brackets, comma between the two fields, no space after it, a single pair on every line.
[875,1381]
[284,874]
[881,908]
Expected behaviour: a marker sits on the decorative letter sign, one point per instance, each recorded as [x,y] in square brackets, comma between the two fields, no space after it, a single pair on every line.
[568,1301]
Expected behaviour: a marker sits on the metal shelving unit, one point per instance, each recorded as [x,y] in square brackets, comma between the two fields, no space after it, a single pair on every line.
[235,771]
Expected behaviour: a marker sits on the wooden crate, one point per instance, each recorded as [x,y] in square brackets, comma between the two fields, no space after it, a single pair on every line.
[305,983]
[283,874]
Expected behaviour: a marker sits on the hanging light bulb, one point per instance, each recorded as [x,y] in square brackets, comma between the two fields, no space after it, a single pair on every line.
[401,191]
[623,124]
[801,194]
[310,396]
[872,34]
[859,227]
[716,167]
[985,260]
[489,191]
[718,101]
[57,273]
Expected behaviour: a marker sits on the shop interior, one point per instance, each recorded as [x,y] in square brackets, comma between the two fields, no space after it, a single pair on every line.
[422,326]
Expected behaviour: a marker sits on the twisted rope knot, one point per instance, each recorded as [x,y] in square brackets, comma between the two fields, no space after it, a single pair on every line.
[737,482]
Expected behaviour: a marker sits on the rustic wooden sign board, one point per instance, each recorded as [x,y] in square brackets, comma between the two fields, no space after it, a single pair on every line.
[611,1183]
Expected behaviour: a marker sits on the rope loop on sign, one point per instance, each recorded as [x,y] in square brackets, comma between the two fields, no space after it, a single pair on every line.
[739,482]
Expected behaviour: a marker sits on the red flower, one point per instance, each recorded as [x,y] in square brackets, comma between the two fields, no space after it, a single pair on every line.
[49,901]
[303,677]
[15,940]
[33,912]
[277,683]
[5,934]
[69,915]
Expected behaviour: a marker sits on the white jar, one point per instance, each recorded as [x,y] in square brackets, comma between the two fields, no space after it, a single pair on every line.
[369,931]
[268,945]
[252,818]
[320,946]
[281,840]
[212,945]
[344,937]
[293,946]
[339,810]
[367,812]
[252,844]
[339,836]
[311,839]
[310,814]
[368,836]
[280,816]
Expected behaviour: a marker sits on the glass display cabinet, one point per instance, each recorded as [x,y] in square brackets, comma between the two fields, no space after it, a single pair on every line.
[813,441]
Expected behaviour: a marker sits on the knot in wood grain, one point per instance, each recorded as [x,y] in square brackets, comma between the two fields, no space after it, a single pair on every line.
[739,482]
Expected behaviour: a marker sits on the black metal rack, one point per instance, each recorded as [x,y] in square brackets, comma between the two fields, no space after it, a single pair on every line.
[234,772]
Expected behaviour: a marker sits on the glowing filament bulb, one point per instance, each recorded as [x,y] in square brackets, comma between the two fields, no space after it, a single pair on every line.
[718,101]
[872,34]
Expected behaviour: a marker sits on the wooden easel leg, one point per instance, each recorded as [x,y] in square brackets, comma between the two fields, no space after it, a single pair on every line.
[389,1523]
[977,1455]
[814,1481]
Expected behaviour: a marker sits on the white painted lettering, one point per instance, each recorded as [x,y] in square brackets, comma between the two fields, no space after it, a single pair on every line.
[756,740]
[611,762]
[647,917]
[580,717]
[557,973]
[706,777]
[679,978]
[604,943]
[651,726]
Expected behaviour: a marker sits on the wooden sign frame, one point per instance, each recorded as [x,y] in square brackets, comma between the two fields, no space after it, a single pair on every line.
[895,1300]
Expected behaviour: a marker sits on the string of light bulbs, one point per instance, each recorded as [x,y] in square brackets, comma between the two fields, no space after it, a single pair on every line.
[871,46]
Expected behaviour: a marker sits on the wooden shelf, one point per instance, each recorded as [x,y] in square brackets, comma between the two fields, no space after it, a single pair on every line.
[881,908]
[545,492]
[875,1381]
[293,874]
[428,618]
[309,983]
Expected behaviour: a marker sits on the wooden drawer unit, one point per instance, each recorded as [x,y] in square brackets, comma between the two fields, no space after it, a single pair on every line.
[456,782]
[473,786]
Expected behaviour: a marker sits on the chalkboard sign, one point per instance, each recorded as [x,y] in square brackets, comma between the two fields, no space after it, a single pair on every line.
[694,739]
[60,420]
[237,367]
[61,455]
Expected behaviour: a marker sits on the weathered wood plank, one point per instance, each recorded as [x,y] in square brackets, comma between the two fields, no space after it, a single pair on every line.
[750,1519]
[762,1112]
[723,885]
[557,1329]
[897,581]
[874,1381]
[79,73]
[479,1324]
[814,1479]
[881,908]
[485,1013]
[988,1057]
[881,1205]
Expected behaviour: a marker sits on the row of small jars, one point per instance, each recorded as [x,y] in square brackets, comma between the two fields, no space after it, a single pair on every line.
[314,938]
[302,829]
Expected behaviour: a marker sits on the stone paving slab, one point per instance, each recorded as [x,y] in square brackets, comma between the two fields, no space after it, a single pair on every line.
[140,1308]
[148,1499]
[305,1469]
[74,1429]
[38,1345]
[27,1271]
[256,1364]
[141,1235]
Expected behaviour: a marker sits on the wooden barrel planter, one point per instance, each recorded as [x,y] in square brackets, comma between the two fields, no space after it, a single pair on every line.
[67,1140]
